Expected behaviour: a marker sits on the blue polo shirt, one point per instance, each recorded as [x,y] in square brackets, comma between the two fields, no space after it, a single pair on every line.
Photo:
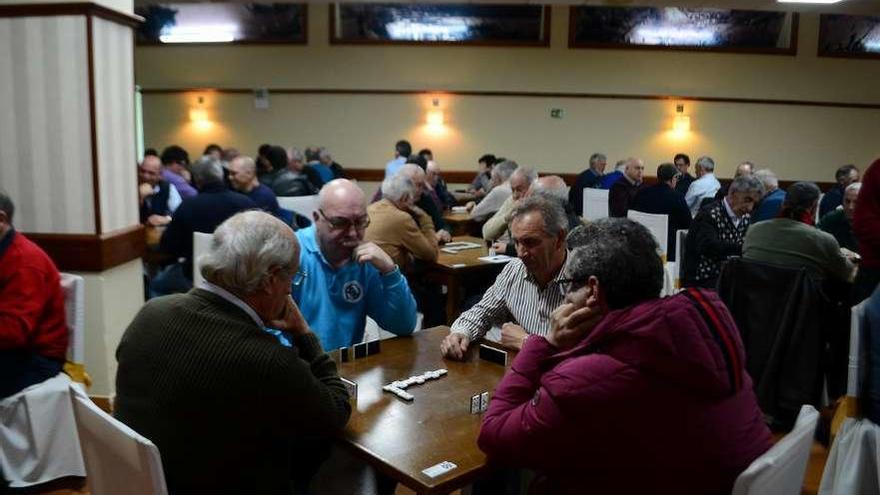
[335,303]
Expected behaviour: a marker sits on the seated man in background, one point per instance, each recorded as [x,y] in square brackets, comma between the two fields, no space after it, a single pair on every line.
[318,168]
[590,178]
[743,169]
[580,404]
[839,222]
[327,159]
[243,177]
[520,182]
[499,192]
[287,177]
[400,228]
[436,187]
[705,187]
[718,231]
[402,152]
[623,191]
[683,162]
[416,169]
[174,162]
[33,330]
[203,213]
[773,196]
[343,279]
[612,177]
[482,183]
[159,198]
[231,408]
[662,199]
[844,176]
[792,240]
[528,288]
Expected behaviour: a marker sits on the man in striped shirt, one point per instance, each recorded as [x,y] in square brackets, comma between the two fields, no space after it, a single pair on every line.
[528,289]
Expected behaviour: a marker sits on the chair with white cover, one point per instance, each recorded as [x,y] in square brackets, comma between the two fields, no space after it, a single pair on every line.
[780,470]
[595,204]
[853,465]
[118,459]
[201,245]
[74,288]
[658,224]
[304,205]
[38,436]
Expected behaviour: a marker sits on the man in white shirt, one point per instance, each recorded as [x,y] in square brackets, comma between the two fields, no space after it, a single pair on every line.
[705,186]
[501,190]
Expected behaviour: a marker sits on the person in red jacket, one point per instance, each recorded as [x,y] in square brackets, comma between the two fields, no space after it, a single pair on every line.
[33,330]
[866,227]
[629,393]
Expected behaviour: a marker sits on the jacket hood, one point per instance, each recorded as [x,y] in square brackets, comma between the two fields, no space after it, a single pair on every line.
[688,340]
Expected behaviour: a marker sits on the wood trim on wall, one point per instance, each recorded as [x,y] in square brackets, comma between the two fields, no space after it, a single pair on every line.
[466,176]
[519,94]
[57,9]
[92,253]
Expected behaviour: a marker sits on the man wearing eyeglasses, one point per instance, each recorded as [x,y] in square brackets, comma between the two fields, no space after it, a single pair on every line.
[528,289]
[343,279]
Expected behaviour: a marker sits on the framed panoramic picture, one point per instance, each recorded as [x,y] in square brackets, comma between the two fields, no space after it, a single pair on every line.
[852,36]
[222,22]
[678,28]
[440,24]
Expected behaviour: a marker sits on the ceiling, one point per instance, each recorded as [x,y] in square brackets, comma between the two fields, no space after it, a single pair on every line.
[864,7]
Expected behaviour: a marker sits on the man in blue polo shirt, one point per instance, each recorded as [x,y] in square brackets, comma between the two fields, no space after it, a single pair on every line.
[341,279]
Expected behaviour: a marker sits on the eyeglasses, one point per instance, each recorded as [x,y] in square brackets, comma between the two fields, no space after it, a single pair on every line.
[299,277]
[568,285]
[343,223]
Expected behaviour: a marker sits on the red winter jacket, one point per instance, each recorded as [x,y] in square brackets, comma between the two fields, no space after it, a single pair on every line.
[31,300]
[866,222]
[654,400]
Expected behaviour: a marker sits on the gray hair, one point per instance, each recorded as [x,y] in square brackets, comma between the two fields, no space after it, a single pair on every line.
[706,163]
[6,205]
[768,178]
[855,186]
[622,255]
[559,192]
[551,212]
[245,248]
[247,163]
[207,170]
[529,173]
[596,158]
[397,186]
[621,164]
[505,169]
[324,154]
[746,184]
[295,154]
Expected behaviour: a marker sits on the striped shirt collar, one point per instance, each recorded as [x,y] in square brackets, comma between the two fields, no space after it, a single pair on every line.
[554,281]
[225,294]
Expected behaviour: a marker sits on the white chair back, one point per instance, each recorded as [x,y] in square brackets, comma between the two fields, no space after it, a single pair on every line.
[595,203]
[680,240]
[658,224]
[304,205]
[201,244]
[857,352]
[816,220]
[118,459]
[74,288]
[780,470]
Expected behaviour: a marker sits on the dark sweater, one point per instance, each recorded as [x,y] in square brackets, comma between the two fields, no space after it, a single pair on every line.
[221,398]
[660,199]
[620,196]
[711,239]
[202,213]
[589,178]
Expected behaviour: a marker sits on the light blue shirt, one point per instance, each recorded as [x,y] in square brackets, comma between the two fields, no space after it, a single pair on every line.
[336,302]
[704,187]
[393,166]
[174,199]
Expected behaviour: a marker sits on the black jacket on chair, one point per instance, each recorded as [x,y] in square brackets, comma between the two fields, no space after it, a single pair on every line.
[781,313]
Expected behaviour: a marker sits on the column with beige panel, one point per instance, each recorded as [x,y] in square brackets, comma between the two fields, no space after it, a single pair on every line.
[67,156]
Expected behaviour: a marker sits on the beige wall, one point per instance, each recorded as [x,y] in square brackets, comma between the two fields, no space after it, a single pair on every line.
[798,141]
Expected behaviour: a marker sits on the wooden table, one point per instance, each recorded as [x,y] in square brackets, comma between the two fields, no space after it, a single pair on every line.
[463,197]
[462,224]
[455,271]
[400,438]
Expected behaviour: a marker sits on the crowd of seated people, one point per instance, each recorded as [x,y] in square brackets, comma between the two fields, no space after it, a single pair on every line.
[599,348]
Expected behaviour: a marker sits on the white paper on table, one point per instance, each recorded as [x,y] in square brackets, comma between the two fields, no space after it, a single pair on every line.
[498,258]
[595,203]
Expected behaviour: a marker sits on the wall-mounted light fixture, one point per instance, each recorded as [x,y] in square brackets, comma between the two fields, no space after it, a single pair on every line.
[435,115]
[198,115]
[681,123]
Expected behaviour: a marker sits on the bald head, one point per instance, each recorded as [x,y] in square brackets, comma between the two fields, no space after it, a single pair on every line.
[341,193]
[150,170]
